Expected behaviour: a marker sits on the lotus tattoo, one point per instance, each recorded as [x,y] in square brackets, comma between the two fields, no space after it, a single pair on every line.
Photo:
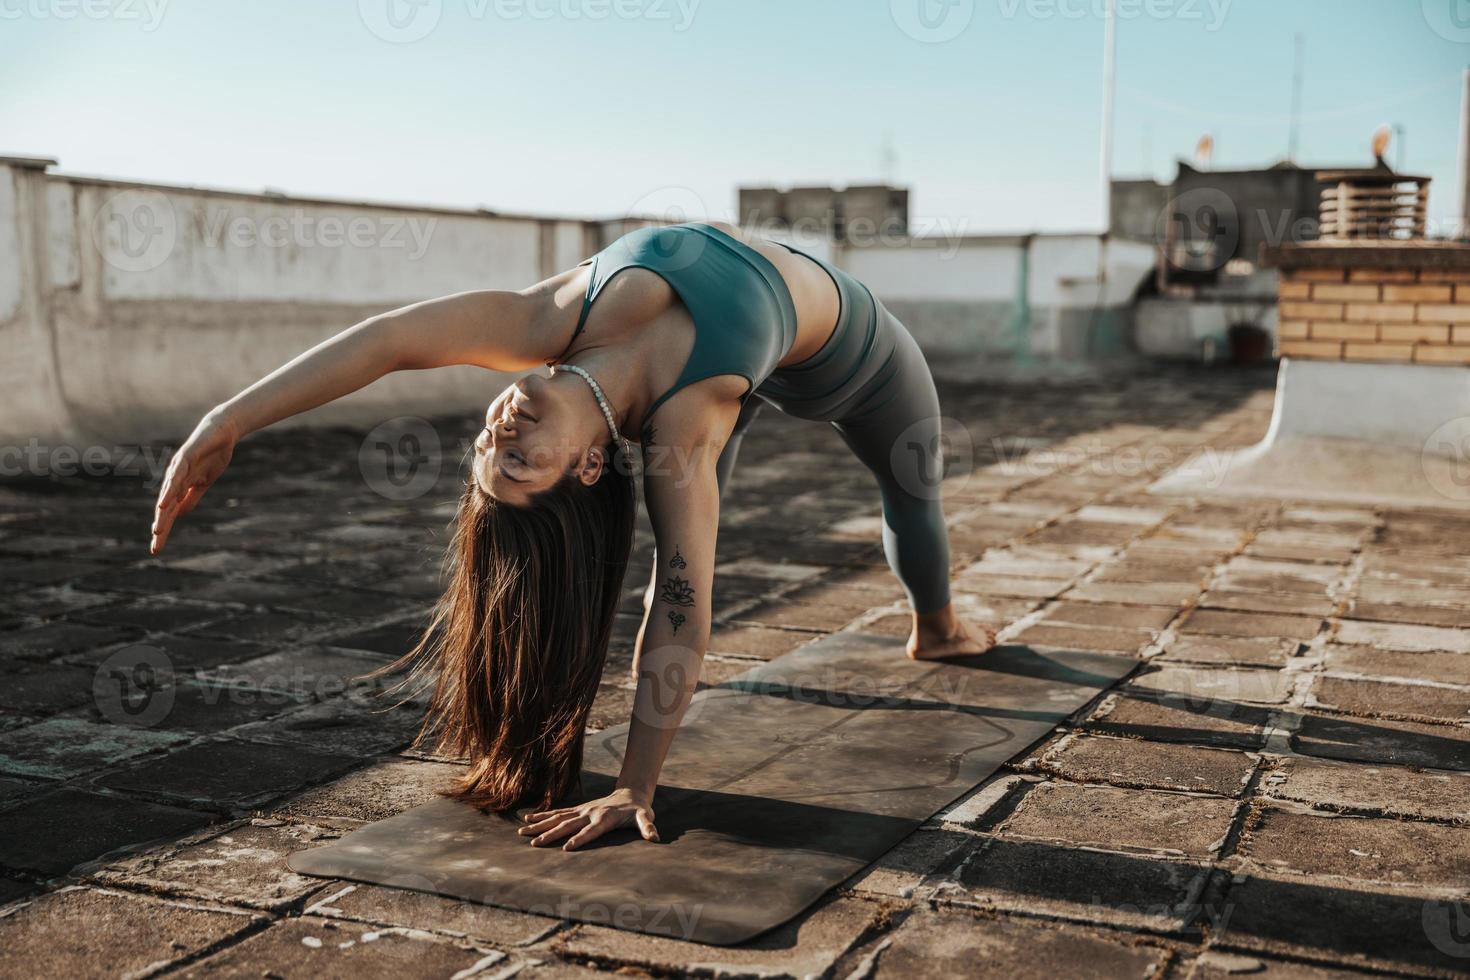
[677,591]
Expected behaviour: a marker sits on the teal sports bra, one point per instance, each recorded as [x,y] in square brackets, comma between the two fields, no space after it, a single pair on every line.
[744,318]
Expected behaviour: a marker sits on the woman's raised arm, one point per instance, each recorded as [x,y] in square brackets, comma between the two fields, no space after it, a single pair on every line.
[491,328]
[496,329]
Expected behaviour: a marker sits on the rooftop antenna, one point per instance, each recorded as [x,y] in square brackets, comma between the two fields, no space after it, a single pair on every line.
[1110,62]
[888,160]
[1110,74]
[1293,146]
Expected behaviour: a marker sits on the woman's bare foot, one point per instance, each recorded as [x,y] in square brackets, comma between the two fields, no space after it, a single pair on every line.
[940,635]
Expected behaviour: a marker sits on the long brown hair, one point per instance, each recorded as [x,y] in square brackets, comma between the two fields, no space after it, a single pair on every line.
[515,647]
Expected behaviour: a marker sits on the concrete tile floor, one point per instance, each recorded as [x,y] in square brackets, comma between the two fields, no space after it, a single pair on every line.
[1283,793]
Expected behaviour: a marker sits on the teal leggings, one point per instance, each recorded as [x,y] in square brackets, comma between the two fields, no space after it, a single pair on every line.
[871,382]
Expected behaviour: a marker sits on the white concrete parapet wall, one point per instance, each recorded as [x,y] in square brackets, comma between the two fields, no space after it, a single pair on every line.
[1048,298]
[128,310]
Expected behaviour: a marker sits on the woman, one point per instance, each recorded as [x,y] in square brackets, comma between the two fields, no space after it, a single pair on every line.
[669,332]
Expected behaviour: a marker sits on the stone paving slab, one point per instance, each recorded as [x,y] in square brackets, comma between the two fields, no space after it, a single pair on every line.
[453,918]
[61,748]
[244,865]
[333,948]
[807,947]
[1148,593]
[1229,622]
[1149,765]
[53,832]
[77,932]
[1391,790]
[47,689]
[1436,667]
[13,789]
[316,673]
[908,871]
[374,792]
[1343,923]
[1211,686]
[1151,618]
[1447,616]
[1383,699]
[1399,636]
[1426,856]
[1044,879]
[350,726]
[1237,651]
[1383,740]
[226,774]
[1216,965]
[1228,597]
[186,706]
[1098,639]
[1171,718]
[940,945]
[1109,817]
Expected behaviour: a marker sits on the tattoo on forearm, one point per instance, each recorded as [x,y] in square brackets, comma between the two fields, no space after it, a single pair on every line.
[677,591]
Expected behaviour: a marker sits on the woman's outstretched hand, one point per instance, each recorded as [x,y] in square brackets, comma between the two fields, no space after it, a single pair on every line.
[588,821]
[193,470]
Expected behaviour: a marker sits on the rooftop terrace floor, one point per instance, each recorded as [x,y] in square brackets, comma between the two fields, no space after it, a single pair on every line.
[1280,789]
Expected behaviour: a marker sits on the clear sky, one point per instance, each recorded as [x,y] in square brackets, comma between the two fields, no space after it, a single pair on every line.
[596,107]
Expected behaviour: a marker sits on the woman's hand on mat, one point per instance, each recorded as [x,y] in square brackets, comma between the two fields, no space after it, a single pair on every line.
[193,470]
[588,821]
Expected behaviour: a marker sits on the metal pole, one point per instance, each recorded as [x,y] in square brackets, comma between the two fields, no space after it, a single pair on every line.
[1110,61]
[1294,143]
[1463,232]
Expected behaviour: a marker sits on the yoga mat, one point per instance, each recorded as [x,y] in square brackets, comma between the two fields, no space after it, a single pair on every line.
[781,783]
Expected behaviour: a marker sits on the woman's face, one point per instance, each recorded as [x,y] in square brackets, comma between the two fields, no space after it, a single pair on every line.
[534,434]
